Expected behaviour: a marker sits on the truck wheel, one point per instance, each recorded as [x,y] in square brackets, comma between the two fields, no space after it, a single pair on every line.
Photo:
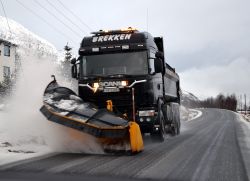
[160,134]
[179,126]
[178,120]
[175,127]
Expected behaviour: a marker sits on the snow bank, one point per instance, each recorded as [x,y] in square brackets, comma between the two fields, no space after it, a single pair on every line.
[194,114]
[189,114]
[243,135]
[246,117]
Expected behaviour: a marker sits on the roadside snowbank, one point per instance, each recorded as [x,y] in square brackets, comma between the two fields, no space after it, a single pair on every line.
[244,141]
[189,114]
[247,117]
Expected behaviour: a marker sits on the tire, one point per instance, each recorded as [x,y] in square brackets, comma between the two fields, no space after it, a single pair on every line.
[175,126]
[179,127]
[160,135]
[178,120]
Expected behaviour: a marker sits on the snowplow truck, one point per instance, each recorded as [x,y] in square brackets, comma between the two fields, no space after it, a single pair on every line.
[125,89]
[128,69]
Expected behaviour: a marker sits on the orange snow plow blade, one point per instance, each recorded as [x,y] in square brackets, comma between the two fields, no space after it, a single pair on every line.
[136,141]
[63,106]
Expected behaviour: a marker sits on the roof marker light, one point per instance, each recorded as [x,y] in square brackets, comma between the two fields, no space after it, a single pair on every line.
[95,49]
[125,47]
[128,29]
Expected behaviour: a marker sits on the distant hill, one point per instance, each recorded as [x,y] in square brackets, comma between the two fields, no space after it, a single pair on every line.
[189,100]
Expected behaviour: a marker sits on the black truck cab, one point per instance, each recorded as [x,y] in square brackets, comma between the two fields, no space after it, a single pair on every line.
[119,64]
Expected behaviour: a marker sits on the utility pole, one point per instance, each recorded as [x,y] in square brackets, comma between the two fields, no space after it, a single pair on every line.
[248,109]
[245,96]
[240,103]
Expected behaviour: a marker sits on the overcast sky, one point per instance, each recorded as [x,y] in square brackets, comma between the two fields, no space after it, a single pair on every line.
[208,41]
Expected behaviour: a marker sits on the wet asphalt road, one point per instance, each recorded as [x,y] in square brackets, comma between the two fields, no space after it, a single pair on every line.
[207,149]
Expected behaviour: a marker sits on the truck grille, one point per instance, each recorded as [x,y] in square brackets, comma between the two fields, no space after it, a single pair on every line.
[120,100]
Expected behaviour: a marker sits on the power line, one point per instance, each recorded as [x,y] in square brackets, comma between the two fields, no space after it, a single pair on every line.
[75,15]
[44,20]
[57,18]
[60,12]
[6,18]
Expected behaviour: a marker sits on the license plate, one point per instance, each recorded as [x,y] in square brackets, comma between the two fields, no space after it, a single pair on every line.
[111,90]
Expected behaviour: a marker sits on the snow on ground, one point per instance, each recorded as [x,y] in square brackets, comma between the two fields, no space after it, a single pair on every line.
[247,117]
[189,114]
[244,141]
[18,147]
[245,121]
[194,114]
[16,150]
[11,153]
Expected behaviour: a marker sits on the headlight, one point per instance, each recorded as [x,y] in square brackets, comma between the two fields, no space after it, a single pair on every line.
[147,113]
[96,86]
[124,83]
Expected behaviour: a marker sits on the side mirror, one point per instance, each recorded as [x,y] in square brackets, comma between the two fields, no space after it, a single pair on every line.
[159,55]
[73,61]
[74,71]
[158,65]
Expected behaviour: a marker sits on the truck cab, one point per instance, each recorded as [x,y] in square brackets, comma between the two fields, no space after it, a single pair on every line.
[128,68]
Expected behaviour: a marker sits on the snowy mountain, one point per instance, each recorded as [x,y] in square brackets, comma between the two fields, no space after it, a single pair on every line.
[29,44]
[188,99]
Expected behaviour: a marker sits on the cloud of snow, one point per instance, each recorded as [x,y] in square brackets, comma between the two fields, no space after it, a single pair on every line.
[24,124]
[21,122]
[229,78]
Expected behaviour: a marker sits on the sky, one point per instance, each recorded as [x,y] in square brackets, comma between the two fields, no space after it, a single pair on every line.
[207,41]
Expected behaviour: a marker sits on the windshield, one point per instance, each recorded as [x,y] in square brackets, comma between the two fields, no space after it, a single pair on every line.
[132,63]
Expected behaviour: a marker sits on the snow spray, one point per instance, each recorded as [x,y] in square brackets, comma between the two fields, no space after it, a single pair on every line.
[22,121]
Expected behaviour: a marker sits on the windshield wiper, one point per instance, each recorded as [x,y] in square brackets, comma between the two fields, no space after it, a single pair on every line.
[94,76]
[118,75]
